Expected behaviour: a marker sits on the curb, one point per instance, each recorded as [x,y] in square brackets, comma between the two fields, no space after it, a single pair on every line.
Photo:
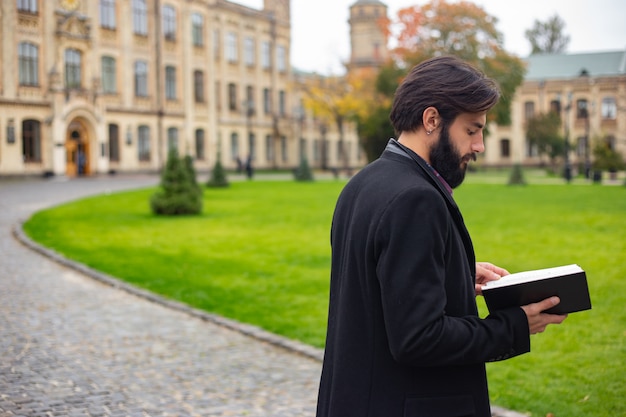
[246,329]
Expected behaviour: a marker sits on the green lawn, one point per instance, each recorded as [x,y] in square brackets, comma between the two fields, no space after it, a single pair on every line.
[260,254]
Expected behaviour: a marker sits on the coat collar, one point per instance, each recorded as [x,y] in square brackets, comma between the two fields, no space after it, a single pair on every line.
[395,147]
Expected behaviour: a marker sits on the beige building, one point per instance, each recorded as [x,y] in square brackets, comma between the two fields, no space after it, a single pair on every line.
[99,86]
[368,43]
[588,90]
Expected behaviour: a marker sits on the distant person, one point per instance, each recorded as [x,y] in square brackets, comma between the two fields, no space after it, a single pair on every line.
[404,337]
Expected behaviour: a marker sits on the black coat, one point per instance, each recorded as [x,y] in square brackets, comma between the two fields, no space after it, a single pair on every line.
[404,337]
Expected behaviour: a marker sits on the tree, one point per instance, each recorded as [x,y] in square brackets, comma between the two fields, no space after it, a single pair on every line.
[303,173]
[336,100]
[542,131]
[218,175]
[462,29]
[548,37]
[179,193]
[607,158]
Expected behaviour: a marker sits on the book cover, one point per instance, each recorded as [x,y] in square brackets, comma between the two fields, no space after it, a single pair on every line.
[568,282]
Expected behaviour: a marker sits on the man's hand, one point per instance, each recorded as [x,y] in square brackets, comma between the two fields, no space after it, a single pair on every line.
[537,320]
[486,272]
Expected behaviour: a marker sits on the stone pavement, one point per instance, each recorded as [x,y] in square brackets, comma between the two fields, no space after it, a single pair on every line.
[72,345]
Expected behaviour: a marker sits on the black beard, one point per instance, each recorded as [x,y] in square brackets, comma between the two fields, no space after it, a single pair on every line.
[448,161]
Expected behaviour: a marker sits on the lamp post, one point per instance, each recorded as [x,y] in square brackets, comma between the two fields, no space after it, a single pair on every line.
[568,168]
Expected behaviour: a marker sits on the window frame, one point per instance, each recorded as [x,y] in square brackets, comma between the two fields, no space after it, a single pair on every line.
[73,68]
[140,17]
[107,14]
[109,74]
[28,64]
[31,141]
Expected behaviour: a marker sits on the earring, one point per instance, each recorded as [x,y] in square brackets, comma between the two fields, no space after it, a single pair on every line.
[428,132]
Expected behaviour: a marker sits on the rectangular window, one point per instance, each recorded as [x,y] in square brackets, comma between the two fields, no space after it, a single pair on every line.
[505,148]
[141,79]
[529,110]
[249,52]
[143,143]
[72,68]
[232,96]
[107,14]
[114,143]
[282,105]
[197,29]
[170,83]
[109,75]
[267,101]
[250,108]
[266,55]
[283,148]
[251,146]
[28,58]
[555,106]
[140,17]
[281,58]
[231,47]
[198,86]
[169,23]
[31,141]
[269,148]
[28,6]
[609,108]
[172,138]
[234,146]
[200,144]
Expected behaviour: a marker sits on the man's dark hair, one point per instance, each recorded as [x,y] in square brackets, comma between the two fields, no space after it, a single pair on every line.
[447,83]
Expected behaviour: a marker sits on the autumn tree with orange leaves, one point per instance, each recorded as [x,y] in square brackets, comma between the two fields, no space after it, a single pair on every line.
[463,29]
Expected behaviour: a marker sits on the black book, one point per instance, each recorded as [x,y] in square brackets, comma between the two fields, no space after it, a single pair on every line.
[568,282]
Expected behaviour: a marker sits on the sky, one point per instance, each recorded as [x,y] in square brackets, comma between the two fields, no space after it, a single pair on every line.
[320,35]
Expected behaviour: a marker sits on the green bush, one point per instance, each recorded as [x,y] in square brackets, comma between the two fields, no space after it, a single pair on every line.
[218,175]
[179,193]
[517,176]
[303,172]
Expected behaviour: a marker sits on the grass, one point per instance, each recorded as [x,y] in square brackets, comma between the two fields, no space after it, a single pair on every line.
[260,254]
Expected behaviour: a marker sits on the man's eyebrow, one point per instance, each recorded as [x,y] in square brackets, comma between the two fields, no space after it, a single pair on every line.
[478,125]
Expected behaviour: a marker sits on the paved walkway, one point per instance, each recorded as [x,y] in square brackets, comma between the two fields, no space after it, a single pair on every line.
[71,345]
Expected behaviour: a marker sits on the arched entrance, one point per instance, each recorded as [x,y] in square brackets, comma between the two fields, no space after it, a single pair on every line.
[77,150]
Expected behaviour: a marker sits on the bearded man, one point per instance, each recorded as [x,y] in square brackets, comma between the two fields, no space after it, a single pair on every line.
[404,338]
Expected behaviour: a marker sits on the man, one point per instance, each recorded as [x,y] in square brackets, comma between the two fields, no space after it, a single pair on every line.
[404,337]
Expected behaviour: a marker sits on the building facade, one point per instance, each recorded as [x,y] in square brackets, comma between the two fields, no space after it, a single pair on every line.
[102,86]
[587,90]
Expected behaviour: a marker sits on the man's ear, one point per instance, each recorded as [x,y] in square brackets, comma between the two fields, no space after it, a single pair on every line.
[431,119]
